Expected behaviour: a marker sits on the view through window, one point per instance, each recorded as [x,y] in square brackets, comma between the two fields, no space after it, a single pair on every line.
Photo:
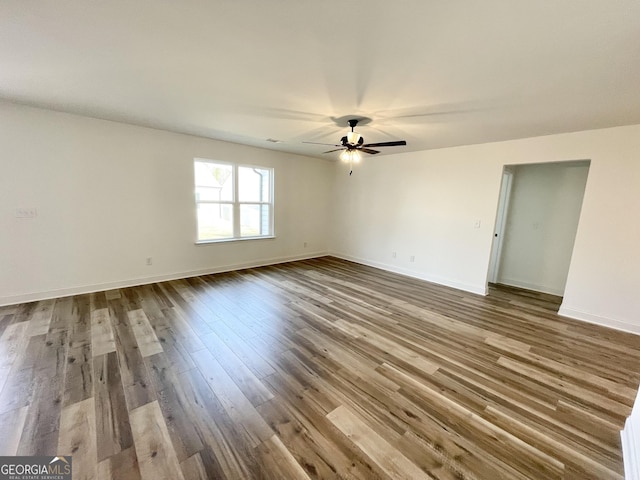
[233,201]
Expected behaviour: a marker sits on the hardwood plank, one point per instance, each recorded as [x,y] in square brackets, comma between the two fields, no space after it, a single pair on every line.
[133,371]
[174,350]
[250,385]
[17,390]
[102,339]
[236,404]
[226,454]
[41,318]
[12,343]
[197,316]
[161,325]
[41,430]
[5,321]
[182,330]
[23,312]
[78,438]
[320,448]
[193,468]
[444,456]
[430,461]
[388,458]
[546,421]
[253,358]
[304,381]
[527,458]
[103,470]
[278,461]
[15,380]
[112,420]
[175,408]
[121,466]
[578,461]
[578,417]
[156,456]
[113,295]
[148,343]
[607,404]
[78,382]
[12,424]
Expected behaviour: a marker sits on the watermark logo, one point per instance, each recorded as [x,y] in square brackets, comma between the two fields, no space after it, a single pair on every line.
[35,468]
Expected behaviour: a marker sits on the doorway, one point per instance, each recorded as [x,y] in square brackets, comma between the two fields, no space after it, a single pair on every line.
[536,224]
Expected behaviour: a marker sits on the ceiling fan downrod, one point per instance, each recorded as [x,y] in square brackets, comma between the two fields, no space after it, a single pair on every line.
[352,138]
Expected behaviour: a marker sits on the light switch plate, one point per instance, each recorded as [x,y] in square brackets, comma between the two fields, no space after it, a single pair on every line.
[26,212]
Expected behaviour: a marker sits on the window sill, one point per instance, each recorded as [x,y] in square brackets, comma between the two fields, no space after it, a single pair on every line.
[227,240]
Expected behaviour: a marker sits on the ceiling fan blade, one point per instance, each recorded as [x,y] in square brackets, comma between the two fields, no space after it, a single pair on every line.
[329,144]
[368,150]
[397,143]
[336,150]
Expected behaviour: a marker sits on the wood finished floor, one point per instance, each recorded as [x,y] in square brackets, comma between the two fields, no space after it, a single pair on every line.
[314,369]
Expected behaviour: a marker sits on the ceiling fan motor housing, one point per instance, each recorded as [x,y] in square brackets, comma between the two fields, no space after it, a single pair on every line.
[345,142]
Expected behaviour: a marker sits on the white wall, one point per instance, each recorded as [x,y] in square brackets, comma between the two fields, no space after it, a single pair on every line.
[426,204]
[420,204]
[108,195]
[541,225]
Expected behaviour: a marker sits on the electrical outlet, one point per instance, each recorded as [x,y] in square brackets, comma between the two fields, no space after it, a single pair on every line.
[412,258]
[476,224]
[305,244]
[393,254]
[149,261]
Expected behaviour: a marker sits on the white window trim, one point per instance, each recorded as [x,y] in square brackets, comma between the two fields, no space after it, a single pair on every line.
[236,203]
[240,239]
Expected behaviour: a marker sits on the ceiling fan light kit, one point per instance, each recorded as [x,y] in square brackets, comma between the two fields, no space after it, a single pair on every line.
[350,156]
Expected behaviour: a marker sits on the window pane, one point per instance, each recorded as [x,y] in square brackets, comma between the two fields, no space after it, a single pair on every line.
[215,221]
[254,184]
[214,181]
[209,194]
[254,220]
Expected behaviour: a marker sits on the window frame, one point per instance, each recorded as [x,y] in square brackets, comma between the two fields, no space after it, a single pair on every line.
[235,202]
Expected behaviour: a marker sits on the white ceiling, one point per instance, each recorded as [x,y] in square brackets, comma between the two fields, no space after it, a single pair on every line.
[435,73]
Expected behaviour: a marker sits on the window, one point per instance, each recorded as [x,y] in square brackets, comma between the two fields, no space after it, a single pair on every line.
[233,201]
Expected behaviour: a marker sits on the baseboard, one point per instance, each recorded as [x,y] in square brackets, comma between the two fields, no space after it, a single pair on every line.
[98,287]
[598,320]
[479,290]
[531,286]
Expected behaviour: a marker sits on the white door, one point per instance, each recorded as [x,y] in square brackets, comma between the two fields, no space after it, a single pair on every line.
[501,220]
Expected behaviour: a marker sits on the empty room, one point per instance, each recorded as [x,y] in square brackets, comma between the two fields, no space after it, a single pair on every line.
[318,240]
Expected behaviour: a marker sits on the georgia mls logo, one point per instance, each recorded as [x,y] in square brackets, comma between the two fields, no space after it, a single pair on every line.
[63,465]
[35,468]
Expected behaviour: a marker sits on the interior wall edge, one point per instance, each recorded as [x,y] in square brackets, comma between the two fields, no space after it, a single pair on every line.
[447,282]
[630,440]
[134,282]
[599,320]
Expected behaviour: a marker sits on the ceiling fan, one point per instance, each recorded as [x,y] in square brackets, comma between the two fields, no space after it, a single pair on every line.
[353,143]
